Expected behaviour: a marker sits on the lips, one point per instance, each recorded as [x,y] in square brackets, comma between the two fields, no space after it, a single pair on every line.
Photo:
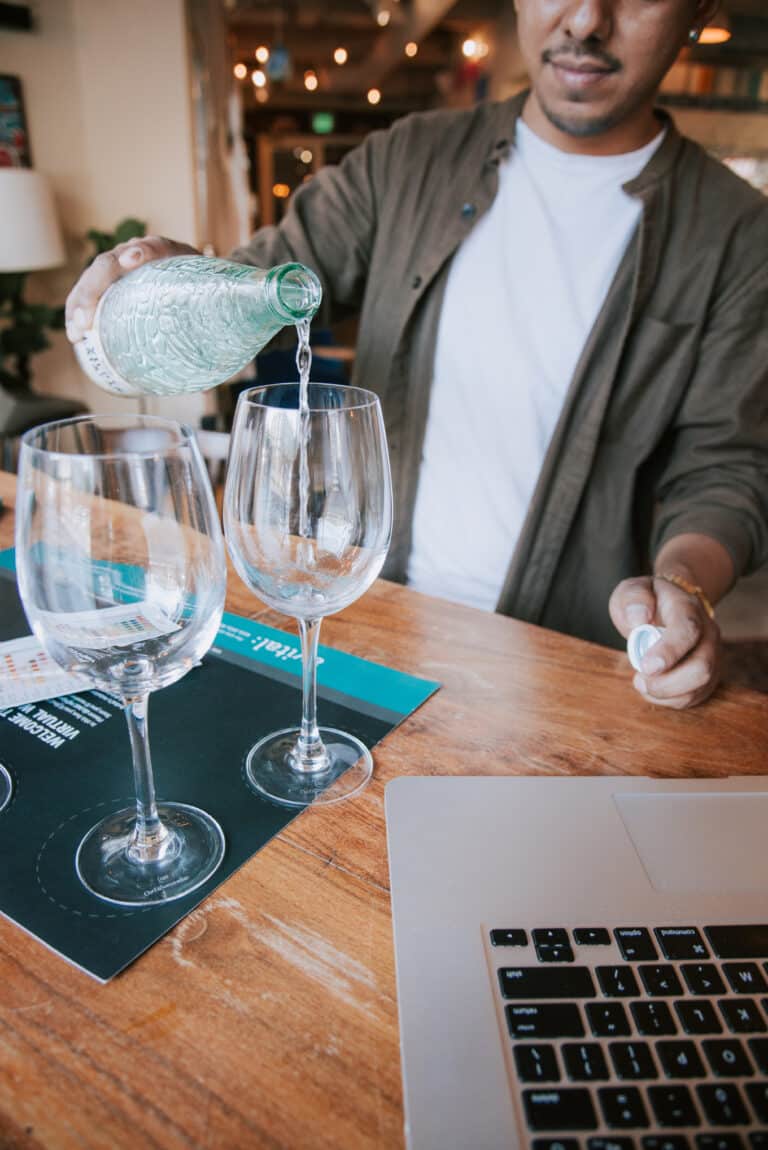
[580,73]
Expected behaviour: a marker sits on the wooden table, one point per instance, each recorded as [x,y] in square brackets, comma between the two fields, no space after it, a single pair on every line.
[268,1017]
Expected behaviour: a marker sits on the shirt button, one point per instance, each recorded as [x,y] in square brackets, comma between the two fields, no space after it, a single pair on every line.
[468,211]
[416,282]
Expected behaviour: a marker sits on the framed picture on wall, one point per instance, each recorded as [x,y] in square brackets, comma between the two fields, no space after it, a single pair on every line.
[14,136]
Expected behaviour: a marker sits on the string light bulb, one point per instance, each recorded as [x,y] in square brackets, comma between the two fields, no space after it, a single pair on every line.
[240,71]
[383,17]
[373,96]
[340,55]
[262,53]
[258,78]
[411,48]
[310,80]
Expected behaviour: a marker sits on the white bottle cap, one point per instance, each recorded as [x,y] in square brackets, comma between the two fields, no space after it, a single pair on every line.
[640,640]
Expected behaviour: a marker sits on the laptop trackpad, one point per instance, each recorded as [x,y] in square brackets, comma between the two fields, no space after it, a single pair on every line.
[707,843]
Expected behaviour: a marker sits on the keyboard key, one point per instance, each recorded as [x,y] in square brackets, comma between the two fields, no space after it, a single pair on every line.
[623,1107]
[607,1019]
[660,980]
[543,982]
[632,1060]
[739,941]
[635,944]
[653,1018]
[742,1015]
[698,1016]
[719,1142]
[510,936]
[584,1061]
[681,942]
[591,936]
[551,936]
[723,1104]
[673,1106]
[552,952]
[665,1142]
[555,1144]
[727,1057]
[744,977]
[680,1060]
[617,981]
[703,978]
[759,1048]
[545,1020]
[617,1143]
[536,1063]
[757,1092]
[570,1109]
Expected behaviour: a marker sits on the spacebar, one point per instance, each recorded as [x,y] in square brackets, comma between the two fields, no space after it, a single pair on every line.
[546,982]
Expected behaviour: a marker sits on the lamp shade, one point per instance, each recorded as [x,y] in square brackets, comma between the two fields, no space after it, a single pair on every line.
[30,237]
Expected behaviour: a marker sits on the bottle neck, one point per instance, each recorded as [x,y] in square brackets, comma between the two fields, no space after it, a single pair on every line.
[292,292]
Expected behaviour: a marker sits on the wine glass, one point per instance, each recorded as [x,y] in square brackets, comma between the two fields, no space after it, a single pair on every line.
[308,520]
[122,574]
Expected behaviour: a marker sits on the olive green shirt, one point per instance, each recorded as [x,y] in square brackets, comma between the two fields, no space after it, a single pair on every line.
[664,429]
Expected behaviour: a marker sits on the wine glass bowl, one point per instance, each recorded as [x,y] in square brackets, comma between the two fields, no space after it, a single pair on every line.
[308,520]
[121,571]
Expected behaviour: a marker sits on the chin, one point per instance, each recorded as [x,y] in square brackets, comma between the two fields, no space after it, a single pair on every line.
[580,121]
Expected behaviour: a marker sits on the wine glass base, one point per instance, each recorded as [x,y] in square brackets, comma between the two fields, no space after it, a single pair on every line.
[6,787]
[269,770]
[194,851]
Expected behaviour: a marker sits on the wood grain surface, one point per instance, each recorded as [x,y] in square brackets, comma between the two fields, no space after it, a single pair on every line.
[268,1017]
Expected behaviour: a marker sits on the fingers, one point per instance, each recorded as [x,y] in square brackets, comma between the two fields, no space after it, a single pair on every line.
[632,603]
[683,668]
[106,268]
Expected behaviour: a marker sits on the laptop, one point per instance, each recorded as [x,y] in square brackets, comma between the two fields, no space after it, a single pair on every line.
[582,963]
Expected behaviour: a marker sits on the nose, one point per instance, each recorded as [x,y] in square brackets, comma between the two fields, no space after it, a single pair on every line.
[589,19]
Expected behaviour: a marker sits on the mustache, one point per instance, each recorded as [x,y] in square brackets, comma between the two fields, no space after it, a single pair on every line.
[579,50]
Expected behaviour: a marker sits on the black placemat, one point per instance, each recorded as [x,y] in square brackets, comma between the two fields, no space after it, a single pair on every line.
[70,762]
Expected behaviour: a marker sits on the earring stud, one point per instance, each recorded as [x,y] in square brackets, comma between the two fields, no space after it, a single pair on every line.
[693,35]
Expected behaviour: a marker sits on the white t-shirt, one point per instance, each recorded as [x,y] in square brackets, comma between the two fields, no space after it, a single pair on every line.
[523,292]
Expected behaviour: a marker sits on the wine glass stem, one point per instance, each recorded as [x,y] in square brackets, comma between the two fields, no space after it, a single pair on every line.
[150,838]
[310,754]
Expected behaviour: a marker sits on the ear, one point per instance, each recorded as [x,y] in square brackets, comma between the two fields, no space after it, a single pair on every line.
[705,10]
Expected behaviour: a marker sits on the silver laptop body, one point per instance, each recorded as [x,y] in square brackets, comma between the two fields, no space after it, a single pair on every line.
[472,855]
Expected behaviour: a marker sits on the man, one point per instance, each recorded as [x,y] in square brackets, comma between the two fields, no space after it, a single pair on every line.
[575,296]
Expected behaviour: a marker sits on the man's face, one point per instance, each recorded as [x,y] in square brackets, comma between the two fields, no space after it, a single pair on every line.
[595,65]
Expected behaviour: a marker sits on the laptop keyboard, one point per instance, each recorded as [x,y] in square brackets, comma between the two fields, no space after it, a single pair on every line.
[653,1038]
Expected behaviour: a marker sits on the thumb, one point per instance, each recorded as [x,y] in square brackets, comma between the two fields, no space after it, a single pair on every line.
[632,603]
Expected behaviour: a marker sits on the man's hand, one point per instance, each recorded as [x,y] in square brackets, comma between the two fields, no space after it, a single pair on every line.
[683,668]
[108,267]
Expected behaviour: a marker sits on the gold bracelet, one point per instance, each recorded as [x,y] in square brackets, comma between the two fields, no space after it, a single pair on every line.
[690,589]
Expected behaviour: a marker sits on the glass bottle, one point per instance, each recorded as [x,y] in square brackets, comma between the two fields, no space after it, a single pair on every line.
[191,322]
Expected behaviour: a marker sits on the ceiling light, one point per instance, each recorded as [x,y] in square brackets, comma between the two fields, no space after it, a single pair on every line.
[373,96]
[262,53]
[310,80]
[411,48]
[240,71]
[258,78]
[341,55]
